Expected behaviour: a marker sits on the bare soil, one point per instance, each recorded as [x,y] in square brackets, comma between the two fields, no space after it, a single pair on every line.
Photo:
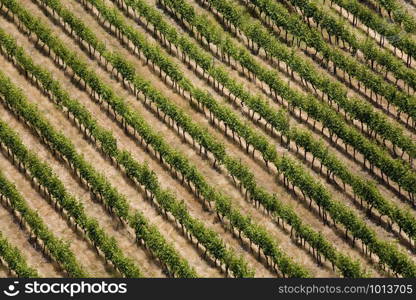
[4,273]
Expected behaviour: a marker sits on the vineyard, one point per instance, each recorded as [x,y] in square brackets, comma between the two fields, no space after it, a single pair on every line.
[208,138]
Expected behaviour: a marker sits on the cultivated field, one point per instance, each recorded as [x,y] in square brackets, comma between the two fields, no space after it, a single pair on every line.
[207,138]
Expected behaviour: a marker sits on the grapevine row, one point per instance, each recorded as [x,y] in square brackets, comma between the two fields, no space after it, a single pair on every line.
[364,189]
[398,13]
[356,108]
[283,262]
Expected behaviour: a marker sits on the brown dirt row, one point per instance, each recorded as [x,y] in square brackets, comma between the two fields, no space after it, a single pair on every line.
[10,229]
[4,273]
[193,116]
[410,6]
[165,178]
